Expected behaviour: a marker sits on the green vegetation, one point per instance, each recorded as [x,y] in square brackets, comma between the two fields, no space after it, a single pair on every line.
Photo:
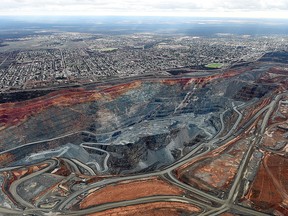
[110,49]
[214,65]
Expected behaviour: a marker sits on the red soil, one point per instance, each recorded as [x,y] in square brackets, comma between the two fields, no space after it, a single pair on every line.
[152,209]
[129,190]
[268,192]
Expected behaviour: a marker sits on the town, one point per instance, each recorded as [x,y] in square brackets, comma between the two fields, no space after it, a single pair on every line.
[64,58]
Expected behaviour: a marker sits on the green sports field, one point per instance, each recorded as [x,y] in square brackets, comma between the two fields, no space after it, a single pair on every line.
[214,65]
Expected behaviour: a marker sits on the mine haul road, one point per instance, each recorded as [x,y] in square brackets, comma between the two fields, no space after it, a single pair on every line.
[225,204]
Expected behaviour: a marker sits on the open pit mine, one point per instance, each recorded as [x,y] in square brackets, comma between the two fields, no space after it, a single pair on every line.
[212,143]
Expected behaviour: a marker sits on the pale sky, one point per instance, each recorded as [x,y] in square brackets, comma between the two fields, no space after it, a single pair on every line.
[202,8]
